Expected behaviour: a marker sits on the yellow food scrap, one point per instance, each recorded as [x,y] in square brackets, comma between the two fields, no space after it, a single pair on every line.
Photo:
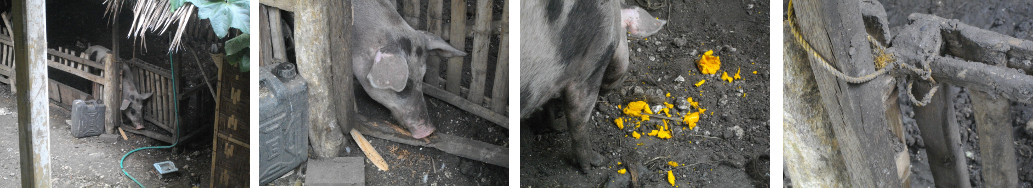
[668,94]
[737,74]
[636,108]
[635,134]
[622,171]
[754,72]
[691,120]
[618,163]
[724,76]
[670,177]
[668,105]
[653,133]
[663,134]
[700,83]
[672,163]
[708,63]
[619,122]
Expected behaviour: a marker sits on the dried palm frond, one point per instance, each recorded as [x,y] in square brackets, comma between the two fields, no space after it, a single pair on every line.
[154,16]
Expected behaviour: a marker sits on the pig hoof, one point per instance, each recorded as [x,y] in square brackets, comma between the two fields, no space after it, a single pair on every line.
[420,133]
[588,159]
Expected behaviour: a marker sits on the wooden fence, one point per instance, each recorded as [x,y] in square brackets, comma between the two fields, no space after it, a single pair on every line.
[158,110]
[450,87]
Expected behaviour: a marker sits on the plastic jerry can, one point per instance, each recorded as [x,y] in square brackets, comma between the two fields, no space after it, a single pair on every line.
[283,114]
[87,118]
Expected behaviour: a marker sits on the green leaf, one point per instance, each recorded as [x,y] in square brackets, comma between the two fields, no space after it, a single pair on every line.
[224,14]
[176,4]
[238,43]
[241,60]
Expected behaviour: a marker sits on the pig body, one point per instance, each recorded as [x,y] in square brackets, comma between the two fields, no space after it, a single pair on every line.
[388,59]
[132,99]
[571,50]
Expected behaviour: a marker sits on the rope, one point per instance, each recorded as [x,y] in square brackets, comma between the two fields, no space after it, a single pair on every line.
[925,74]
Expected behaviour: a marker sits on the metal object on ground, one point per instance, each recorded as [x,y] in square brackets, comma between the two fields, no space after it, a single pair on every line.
[87,118]
[283,113]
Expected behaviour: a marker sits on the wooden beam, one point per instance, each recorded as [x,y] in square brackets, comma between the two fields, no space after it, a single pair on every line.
[340,67]
[810,148]
[500,90]
[276,31]
[112,94]
[479,61]
[434,25]
[942,137]
[458,39]
[836,31]
[30,41]
[313,59]
[458,101]
[996,147]
[288,5]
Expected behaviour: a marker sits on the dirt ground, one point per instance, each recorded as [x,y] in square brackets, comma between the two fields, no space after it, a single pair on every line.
[729,146]
[1009,17]
[93,161]
[417,166]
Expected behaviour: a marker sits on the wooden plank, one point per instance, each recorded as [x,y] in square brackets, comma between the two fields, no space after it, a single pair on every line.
[462,103]
[458,40]
[287,5]
[479,61]
[276,31]
[500,91]
[434,22]
[148,67]
[411,11]
[942,137]
[54,91]
[835,29]
[996,147]
[77,72]
[266,51]
[342,79]
[370,152]
[455,145]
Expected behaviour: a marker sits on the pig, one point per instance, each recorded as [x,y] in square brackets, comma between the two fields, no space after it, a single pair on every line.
[572,50]
[97,53]
[132,99]
[388,59]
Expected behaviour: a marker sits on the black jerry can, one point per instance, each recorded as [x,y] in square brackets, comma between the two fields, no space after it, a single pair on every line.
[283,117]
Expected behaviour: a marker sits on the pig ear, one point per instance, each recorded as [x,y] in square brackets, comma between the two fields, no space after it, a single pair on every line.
[389,71]
[145,95]
[435,43]
[125,104]
[640,23]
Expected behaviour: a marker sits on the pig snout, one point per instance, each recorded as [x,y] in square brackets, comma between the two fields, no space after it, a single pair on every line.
[420,129]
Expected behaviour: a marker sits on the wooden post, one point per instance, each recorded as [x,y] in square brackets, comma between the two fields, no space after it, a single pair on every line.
[313,56]
[811,151]
[993,124]
[266,50]
[479,61]
[500,92]
[30,41]
[458,40]
[112,94]
[341,74]
[942,137]
[412,13]
[434,16]
[836,30]
[279,53]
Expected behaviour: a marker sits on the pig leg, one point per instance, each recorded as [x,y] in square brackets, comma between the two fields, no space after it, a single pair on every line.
[580,101]
[618,68]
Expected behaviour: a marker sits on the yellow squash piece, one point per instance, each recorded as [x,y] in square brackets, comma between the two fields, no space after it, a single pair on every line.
[724,76]
[691,120]
[636,108]
[708,63]
[670,177]
[635,134]
[622,171]
[737,70]
[672,163]
[754,72]
[700,82]
[619,122]
[653,133]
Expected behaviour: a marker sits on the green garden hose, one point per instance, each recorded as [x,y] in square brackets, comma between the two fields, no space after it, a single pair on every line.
[176,102]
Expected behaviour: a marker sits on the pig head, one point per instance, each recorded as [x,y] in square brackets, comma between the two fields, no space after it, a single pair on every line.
[132,99]
[570,49]
[388,57]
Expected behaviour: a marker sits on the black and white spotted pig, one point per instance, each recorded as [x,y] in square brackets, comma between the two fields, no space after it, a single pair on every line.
[571,50]
[388,57]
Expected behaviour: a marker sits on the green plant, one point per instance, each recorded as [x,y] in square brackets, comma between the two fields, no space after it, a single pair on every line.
[224,15]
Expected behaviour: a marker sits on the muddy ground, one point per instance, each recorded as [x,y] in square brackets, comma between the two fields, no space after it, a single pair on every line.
[93,161]
[1009,17]
[728,148]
